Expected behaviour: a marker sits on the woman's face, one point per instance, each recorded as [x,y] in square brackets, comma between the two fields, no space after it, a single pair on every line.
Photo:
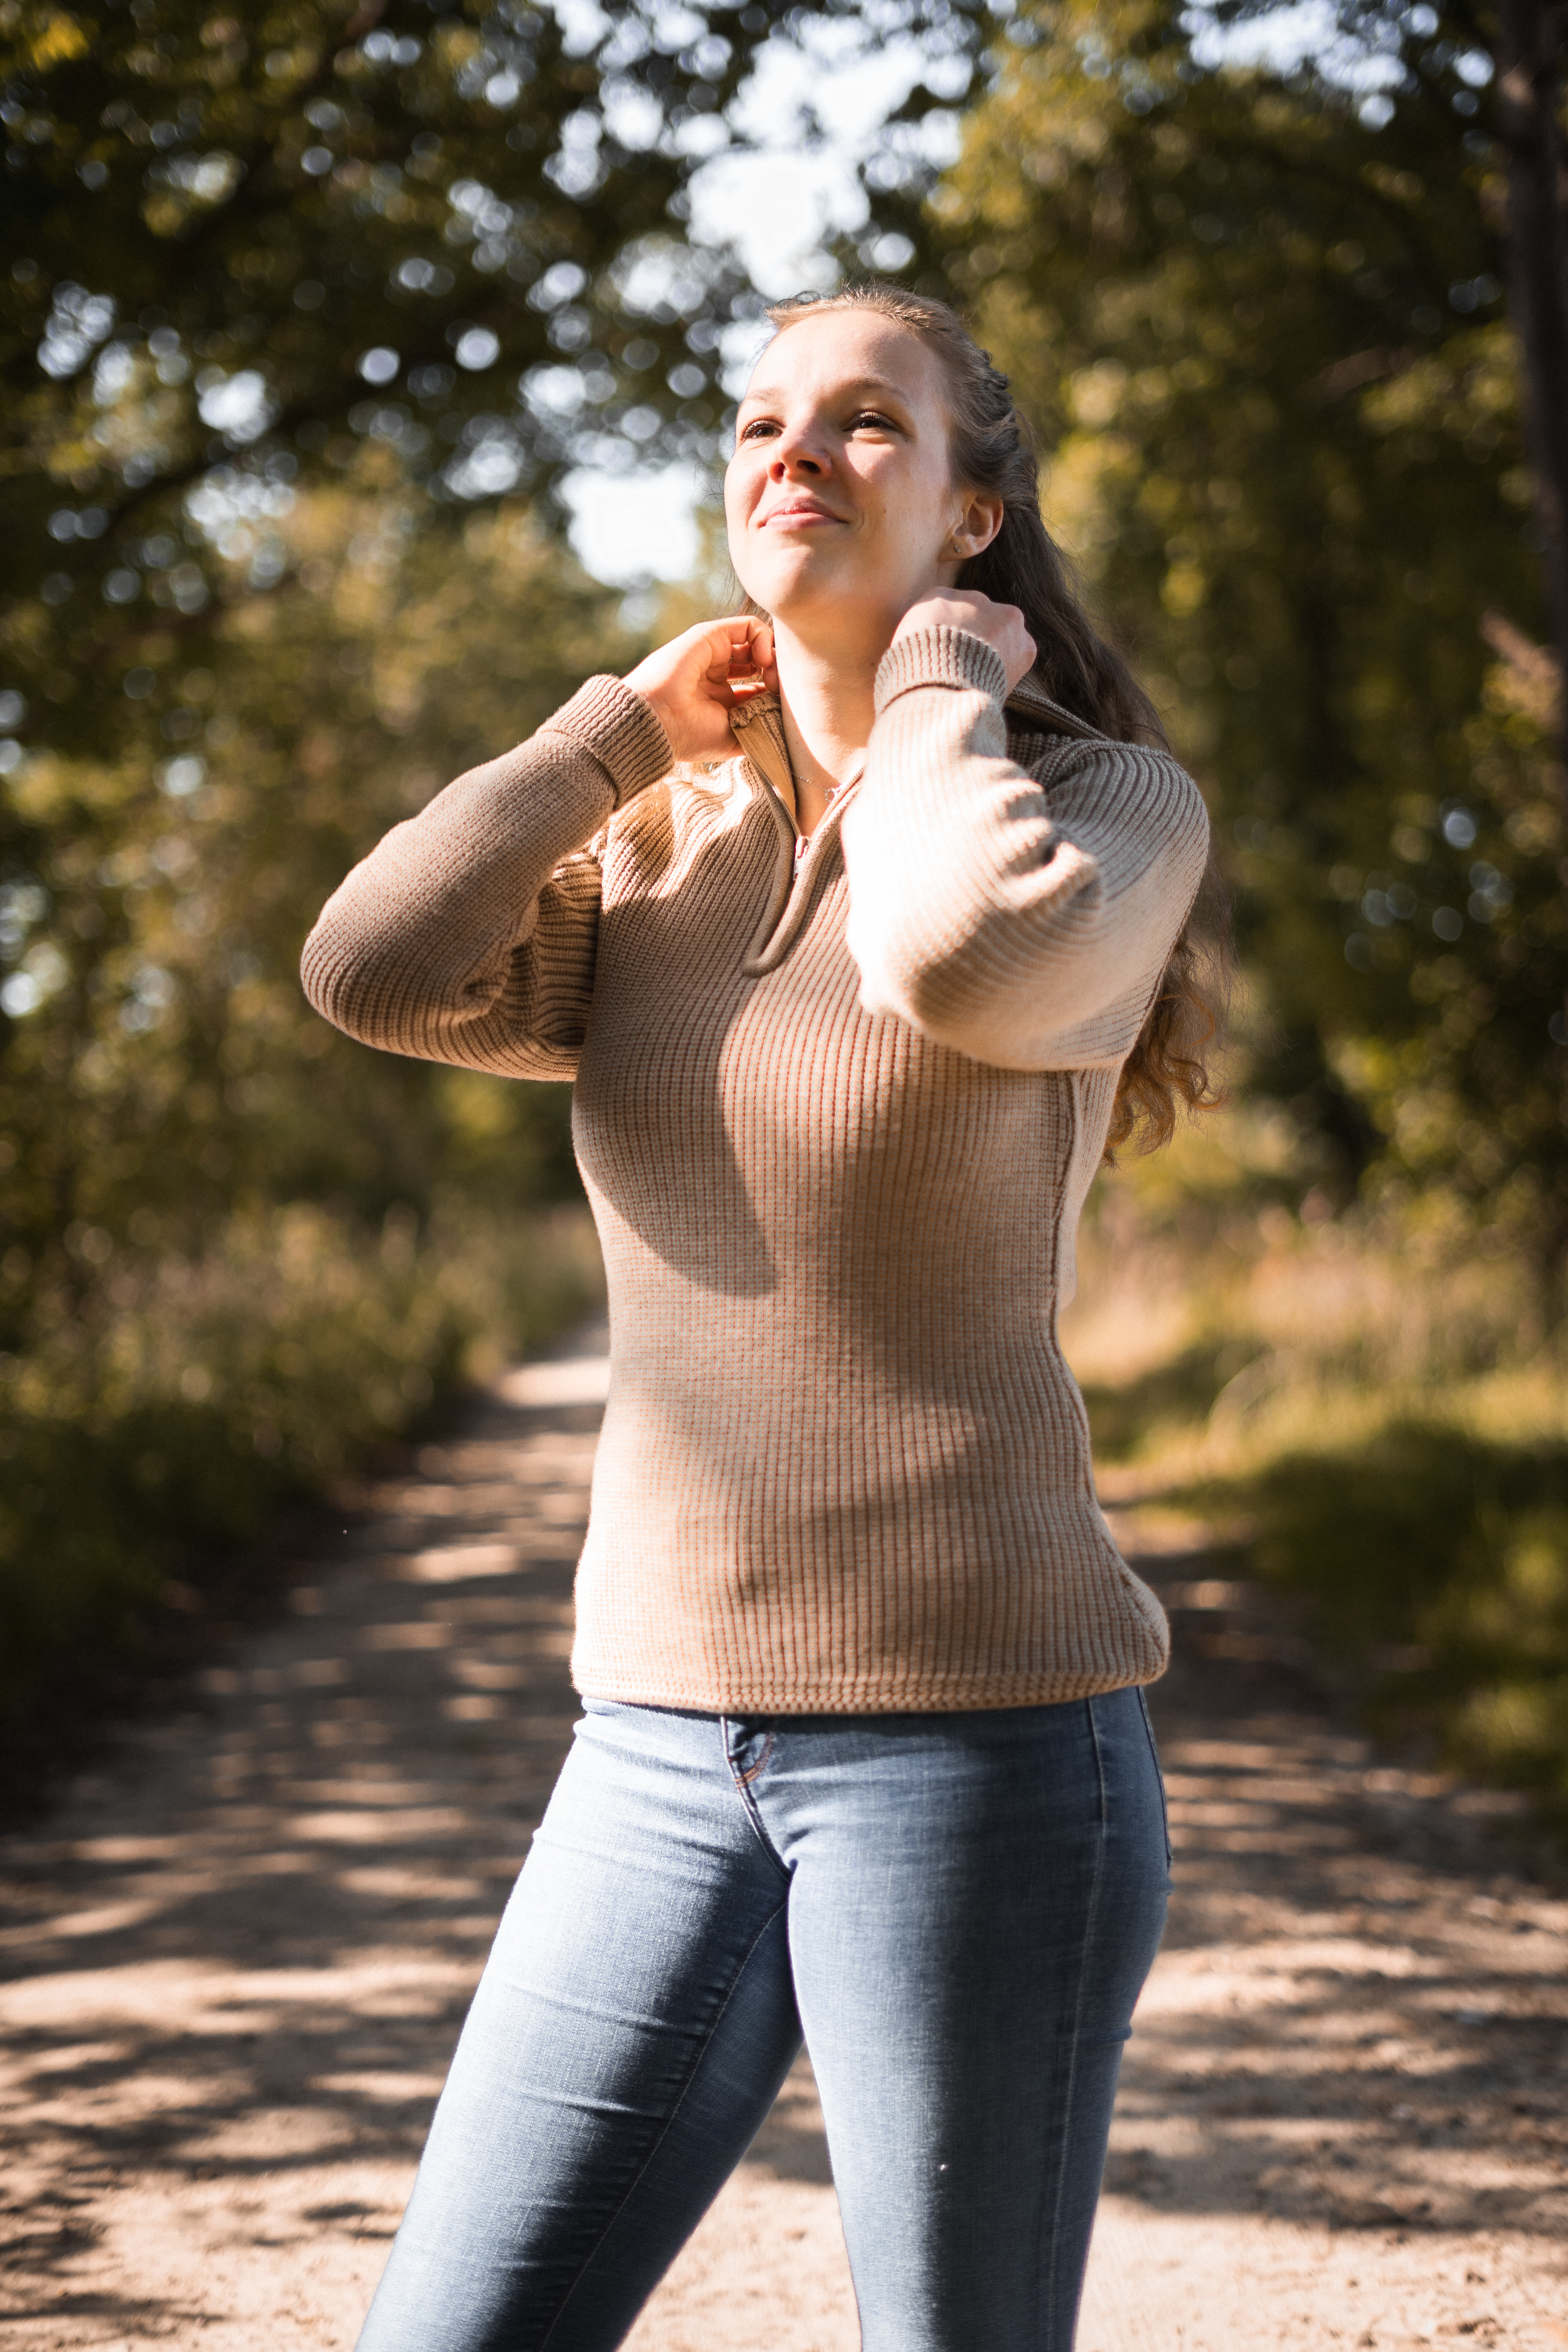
[840,503]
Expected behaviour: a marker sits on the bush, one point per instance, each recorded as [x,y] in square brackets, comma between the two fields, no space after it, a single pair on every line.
[141,1445]
[1372,1408]
[1435,1559]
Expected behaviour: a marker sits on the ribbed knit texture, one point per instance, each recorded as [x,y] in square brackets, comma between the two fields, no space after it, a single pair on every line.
[836,1129]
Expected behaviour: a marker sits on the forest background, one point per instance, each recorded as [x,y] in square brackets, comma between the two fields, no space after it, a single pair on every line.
[315,318]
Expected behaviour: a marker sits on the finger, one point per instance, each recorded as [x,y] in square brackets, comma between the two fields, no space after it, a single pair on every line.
[733,633]
[753,665]
[732,694]
[715,644]
[730,628]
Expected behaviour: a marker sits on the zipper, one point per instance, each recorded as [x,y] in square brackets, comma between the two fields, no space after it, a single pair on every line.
[801,859]
[794,878]
[795,875]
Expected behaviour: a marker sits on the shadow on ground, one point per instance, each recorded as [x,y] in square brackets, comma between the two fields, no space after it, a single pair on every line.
[236,1960]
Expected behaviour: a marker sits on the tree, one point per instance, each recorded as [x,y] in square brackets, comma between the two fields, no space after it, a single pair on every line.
[162,1069]
[1466,1098]
[383,265]
[1499,71]
[1264,341]
[367,254]
[433,249]
[240,245]
[1527,50]
[236,245]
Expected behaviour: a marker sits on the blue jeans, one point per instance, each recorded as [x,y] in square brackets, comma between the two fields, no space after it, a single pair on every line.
[958,1910]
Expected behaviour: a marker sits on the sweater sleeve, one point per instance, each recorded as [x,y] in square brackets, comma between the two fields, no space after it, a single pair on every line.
[468,934]
[1025,924]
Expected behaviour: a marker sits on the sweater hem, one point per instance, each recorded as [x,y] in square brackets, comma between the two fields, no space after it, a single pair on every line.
[928,1695]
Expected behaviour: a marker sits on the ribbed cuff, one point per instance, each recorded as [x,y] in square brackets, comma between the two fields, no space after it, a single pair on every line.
[941,655]
[619,728]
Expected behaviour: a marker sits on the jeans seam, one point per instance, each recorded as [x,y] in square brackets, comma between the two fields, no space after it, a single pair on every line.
[746,1779]
[1090,1912]
[741,1784]
[587,2262]
[1159,1780]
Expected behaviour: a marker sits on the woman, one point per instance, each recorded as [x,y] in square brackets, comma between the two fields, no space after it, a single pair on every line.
[861,924]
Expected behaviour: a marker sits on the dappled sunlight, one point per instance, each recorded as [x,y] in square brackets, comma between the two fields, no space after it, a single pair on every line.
[247,1943]
[1367,1412]
[1341,2113]
[242,1952]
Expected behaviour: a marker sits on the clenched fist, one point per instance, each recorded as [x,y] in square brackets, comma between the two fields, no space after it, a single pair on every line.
[1001,625]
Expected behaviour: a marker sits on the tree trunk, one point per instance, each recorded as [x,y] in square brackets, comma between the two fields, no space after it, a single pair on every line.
[1526,124]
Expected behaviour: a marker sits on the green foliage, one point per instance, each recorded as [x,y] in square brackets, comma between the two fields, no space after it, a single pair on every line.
[1471,1096]
[1263,340]
[237,246]
[161,1070]
[137,1451]
[1368,1411]
[1437,1559]
[248,242]
[236,1248]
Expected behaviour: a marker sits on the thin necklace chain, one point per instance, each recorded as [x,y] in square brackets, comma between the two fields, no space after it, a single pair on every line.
[803,841]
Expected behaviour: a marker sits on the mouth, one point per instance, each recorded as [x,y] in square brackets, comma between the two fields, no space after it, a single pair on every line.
[796,514]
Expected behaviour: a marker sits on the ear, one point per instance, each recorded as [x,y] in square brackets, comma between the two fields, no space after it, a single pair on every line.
[978,522]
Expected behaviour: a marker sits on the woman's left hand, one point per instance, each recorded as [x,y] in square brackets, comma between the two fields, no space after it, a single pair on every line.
[1001,626]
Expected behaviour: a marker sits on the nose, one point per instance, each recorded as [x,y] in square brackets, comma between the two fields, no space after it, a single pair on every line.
[797,457]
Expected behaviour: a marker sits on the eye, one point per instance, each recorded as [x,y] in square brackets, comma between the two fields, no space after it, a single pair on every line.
[872,420]
[757,427]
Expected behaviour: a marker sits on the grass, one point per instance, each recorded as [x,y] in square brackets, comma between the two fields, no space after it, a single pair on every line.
[1376,1407]
[1376,1403]
[140,1451]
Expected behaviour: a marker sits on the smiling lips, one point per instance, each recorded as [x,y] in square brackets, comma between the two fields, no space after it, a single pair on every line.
[797,512]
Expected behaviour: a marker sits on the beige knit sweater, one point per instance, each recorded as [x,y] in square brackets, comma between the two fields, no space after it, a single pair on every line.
[836,1129]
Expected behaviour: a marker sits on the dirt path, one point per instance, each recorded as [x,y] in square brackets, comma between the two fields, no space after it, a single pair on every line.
[237,1959]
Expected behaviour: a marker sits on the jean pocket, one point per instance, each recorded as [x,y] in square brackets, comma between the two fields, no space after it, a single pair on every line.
[1158,1777]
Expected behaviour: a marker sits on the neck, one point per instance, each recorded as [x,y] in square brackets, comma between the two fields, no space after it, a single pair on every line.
[828,706]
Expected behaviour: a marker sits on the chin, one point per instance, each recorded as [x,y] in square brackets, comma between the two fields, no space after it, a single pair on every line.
[800,590]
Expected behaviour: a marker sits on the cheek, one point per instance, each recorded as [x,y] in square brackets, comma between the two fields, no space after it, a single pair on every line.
[912,502]
[740,496]
[914,525]
[737,502]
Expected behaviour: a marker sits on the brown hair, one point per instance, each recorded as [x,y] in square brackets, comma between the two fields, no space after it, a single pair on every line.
[993,449]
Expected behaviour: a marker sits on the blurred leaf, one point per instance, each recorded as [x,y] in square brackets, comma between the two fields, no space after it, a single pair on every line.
[1264,340]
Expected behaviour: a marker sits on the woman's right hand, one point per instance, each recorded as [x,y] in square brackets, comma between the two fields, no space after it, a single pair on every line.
[692,684]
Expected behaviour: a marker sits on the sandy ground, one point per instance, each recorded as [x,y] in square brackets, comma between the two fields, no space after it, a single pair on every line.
[236,1956]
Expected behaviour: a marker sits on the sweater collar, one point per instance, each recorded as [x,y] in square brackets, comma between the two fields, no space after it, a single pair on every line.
[1029,700]
[757,725]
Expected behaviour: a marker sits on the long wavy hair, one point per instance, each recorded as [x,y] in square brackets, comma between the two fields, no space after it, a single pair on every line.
[993,450]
